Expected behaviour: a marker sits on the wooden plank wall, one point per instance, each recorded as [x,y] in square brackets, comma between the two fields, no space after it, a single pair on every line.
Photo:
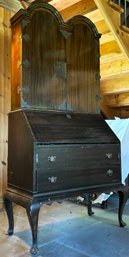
[5,97]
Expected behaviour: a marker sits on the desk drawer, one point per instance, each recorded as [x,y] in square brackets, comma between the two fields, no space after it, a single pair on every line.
[70,166]
[62,157]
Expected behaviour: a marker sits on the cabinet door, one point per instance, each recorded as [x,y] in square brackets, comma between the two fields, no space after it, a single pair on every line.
[76,166]
[44,79]
[83,77]
[39,65]
[52,66]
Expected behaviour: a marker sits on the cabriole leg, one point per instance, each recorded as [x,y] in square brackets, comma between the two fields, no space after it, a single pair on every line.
[123,196]
[33,214]
[88,202]
[9,211]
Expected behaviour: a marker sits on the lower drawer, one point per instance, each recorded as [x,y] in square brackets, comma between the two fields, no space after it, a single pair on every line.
[79,166]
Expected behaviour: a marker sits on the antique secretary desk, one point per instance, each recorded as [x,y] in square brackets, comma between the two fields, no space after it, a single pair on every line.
[59,145]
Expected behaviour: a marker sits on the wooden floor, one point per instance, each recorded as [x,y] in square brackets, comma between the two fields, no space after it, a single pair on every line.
[65,230]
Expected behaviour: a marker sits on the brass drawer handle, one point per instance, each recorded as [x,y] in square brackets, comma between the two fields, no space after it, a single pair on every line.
[109,155]
[52,158]
[109,172]
[52,179]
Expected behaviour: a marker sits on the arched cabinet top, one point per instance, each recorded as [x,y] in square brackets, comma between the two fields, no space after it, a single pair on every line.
[37,6]
[55,64]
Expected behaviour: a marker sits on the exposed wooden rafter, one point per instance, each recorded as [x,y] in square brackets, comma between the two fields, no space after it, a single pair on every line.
[114,67]
[117,100]
[80,7]
[67,8]
[115,84]
[112,18]
[13,6]
[94,15]
[106,38]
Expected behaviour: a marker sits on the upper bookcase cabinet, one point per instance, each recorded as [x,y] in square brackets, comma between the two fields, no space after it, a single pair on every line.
[55,64]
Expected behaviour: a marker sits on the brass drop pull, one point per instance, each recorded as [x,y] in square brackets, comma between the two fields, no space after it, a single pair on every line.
[109,155]
[52,179]
[52,158]
[109,172]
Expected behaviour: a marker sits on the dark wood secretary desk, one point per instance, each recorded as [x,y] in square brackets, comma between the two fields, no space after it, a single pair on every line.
[59,145]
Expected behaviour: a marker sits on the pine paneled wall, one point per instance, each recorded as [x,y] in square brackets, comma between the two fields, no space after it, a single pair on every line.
[5,97]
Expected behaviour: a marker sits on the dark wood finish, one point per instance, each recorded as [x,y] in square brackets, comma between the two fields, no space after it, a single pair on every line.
[58,155]
[58,144]
[63,150]
[53,61]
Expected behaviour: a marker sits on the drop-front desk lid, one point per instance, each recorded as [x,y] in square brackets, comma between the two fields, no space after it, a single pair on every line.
[65,127]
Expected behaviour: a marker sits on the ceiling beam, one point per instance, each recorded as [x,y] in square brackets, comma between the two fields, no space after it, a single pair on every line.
[10,5]
[117,100]
[81,7]
[111,48]
[61,5]
[112,56]
[112,18]
[113,68]
[117,84]
[102,27]
[107,37]
[94,16]
[67,8]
